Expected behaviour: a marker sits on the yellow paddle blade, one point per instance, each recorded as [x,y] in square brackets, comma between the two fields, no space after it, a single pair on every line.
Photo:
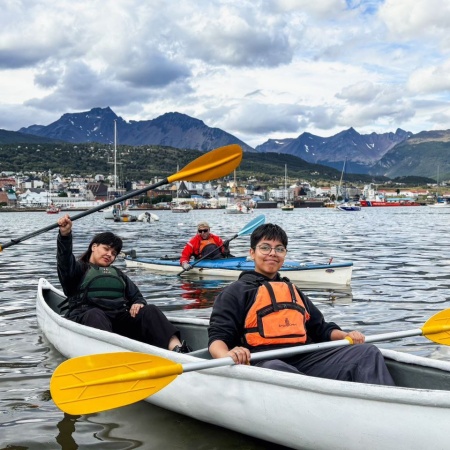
[437,328]
[214,164]
[96,383]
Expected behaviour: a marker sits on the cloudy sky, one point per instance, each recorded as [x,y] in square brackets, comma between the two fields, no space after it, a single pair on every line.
[258,69]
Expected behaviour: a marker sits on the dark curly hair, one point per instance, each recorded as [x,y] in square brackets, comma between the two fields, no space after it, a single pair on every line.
[270,232]
[106,238]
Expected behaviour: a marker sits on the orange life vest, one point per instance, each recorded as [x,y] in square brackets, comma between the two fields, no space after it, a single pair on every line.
[277,316]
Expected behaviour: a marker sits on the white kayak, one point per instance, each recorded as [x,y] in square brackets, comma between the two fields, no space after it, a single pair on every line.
[307,272]
[296,411]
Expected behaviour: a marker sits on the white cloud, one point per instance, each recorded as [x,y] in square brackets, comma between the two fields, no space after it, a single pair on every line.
[432,79]
[418,19]
[256,69]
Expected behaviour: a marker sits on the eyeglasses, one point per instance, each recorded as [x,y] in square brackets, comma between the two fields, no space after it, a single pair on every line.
[265,249]
[203,231]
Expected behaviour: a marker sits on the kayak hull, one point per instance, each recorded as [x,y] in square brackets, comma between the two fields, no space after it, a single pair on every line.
[296,411]
[333,273]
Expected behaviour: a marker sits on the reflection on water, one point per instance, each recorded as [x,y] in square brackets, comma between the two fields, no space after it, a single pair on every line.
[401,277]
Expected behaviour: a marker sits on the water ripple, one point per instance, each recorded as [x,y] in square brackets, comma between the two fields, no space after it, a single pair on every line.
[401,277]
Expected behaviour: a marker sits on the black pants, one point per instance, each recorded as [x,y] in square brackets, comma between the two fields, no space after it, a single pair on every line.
[362,363]
[150,325]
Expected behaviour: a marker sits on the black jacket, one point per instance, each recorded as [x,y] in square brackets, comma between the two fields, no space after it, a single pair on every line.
[233,303]
[71,272]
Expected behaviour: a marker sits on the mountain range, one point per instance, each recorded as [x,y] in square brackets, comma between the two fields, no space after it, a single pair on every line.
[391,154]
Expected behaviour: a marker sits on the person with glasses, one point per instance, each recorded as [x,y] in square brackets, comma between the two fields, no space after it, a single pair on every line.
[204,245]
[263,311]
[101,296]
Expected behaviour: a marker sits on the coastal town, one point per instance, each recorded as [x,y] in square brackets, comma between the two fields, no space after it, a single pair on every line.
[77,193]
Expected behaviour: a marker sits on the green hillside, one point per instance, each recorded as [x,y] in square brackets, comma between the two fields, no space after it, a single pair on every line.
[146,162]
[13,137]
[414,157]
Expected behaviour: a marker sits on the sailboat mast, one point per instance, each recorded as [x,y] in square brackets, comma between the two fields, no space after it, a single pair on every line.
[437,184]
[49,186]
[342,176]
[115,156]
[285,184]
[178,186]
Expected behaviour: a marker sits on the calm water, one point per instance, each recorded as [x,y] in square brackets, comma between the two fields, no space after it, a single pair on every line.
[401,277]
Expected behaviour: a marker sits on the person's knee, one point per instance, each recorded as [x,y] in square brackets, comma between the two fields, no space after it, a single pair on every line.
[372,350]
[95,317]
[148,311]
[365,350]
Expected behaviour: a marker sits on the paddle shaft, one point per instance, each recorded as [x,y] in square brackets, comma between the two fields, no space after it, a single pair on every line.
[94,383]
[206,256]
[178,369]
[85,213]
[246,230]
[214,164]
[291,351]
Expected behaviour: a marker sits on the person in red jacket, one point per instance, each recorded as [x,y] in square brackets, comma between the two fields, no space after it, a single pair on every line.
[203,244]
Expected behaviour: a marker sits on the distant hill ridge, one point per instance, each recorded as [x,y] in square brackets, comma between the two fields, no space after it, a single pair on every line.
[392,154]
[171,129]
[363,151]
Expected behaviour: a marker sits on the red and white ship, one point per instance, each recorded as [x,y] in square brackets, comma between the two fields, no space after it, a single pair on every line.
[367,203]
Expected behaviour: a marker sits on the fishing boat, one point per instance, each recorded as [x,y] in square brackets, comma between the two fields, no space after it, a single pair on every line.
[296,411]
[308,272]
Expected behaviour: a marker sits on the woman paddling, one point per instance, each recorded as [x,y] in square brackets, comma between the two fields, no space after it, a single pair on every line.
[101,296]
[262,311]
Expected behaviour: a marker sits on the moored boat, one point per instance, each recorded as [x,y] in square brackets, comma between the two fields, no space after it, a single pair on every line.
[181,208]
[368,203]
[443,203]
[115,211]
[296,411]
[347,206]
[53,209]
[237,208]
[288,207]
[332,273]
[125,217]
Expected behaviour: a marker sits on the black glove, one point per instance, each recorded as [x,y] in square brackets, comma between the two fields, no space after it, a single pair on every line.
[226,249]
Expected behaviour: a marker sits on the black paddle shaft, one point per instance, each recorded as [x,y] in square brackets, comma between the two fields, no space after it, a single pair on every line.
[85,213]
[208,254]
